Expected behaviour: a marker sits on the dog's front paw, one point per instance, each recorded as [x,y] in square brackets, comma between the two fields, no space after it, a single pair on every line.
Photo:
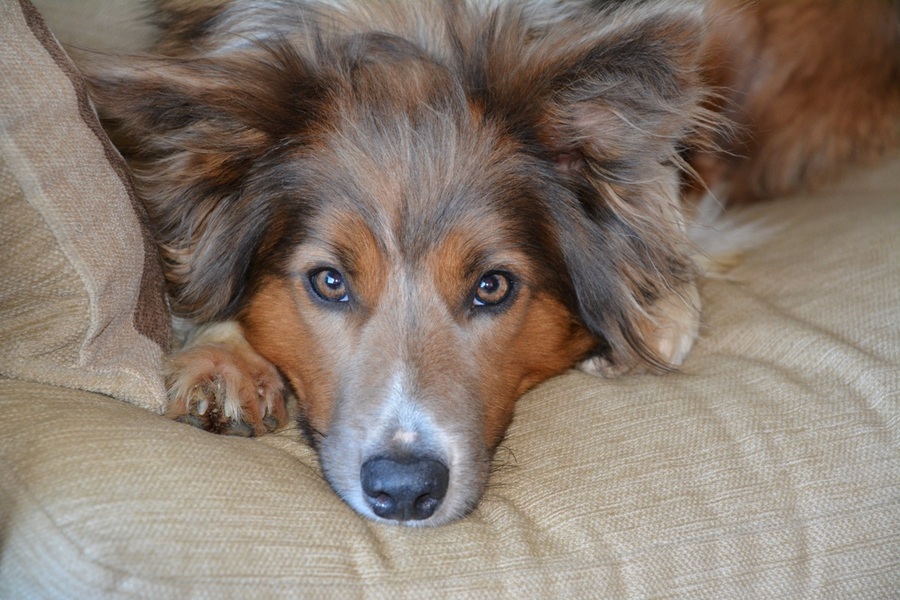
[220,384]
[668,333]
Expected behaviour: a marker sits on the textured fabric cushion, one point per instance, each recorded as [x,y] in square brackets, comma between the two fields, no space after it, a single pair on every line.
[81,287]
[101,25]
[769,468]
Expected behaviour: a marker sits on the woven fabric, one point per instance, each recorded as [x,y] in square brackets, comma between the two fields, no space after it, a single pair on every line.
[81,288]
[769,468]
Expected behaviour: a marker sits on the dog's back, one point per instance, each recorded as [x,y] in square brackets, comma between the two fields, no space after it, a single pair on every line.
[812,87]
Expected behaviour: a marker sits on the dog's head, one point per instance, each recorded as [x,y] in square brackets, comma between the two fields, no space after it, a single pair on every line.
[418,213]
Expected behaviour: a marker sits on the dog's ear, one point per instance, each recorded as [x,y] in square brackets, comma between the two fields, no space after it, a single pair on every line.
[608,103]
[199,134]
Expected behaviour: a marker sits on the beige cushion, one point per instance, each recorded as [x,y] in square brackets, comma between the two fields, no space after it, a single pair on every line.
[81,287]
[769,468]
[103,25]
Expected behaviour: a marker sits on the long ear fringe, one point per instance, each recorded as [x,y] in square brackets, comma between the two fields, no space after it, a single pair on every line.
[193,131]
[650,253]
[630,107]
[523,64]
[641,258]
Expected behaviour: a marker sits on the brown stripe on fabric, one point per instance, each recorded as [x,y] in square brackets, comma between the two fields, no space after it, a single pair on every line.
[151,317]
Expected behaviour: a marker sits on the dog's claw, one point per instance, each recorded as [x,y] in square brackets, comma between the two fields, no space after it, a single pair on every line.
[239,429]
[192,420]
[271,423]
[225,387]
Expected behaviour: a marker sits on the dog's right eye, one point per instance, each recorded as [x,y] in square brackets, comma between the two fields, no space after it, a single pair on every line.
[329,285]
[492,290]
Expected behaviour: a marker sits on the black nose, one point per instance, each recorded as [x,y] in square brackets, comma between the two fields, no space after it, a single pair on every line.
[404,489]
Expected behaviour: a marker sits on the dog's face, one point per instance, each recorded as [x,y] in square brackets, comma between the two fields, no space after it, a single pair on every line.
[428,294]
[416,235]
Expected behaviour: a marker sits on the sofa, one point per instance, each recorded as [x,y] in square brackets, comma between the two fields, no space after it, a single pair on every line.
[768,467]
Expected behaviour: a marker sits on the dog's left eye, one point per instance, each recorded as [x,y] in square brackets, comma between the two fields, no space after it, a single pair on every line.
[493,289]
[329,285]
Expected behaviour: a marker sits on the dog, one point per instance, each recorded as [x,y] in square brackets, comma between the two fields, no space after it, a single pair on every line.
[407,214]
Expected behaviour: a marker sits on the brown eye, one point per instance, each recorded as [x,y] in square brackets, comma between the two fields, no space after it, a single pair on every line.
[493,288]
[329,285]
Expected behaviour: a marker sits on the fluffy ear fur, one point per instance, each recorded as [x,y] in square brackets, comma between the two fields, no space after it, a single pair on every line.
[604,97]
[203,137]
[610,102]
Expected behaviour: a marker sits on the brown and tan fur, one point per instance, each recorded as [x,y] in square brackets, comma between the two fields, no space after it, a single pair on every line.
[812,86]
[490,193]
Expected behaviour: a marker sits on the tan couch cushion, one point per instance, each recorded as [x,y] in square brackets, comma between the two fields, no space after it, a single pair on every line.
[81,287]
[769,468]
